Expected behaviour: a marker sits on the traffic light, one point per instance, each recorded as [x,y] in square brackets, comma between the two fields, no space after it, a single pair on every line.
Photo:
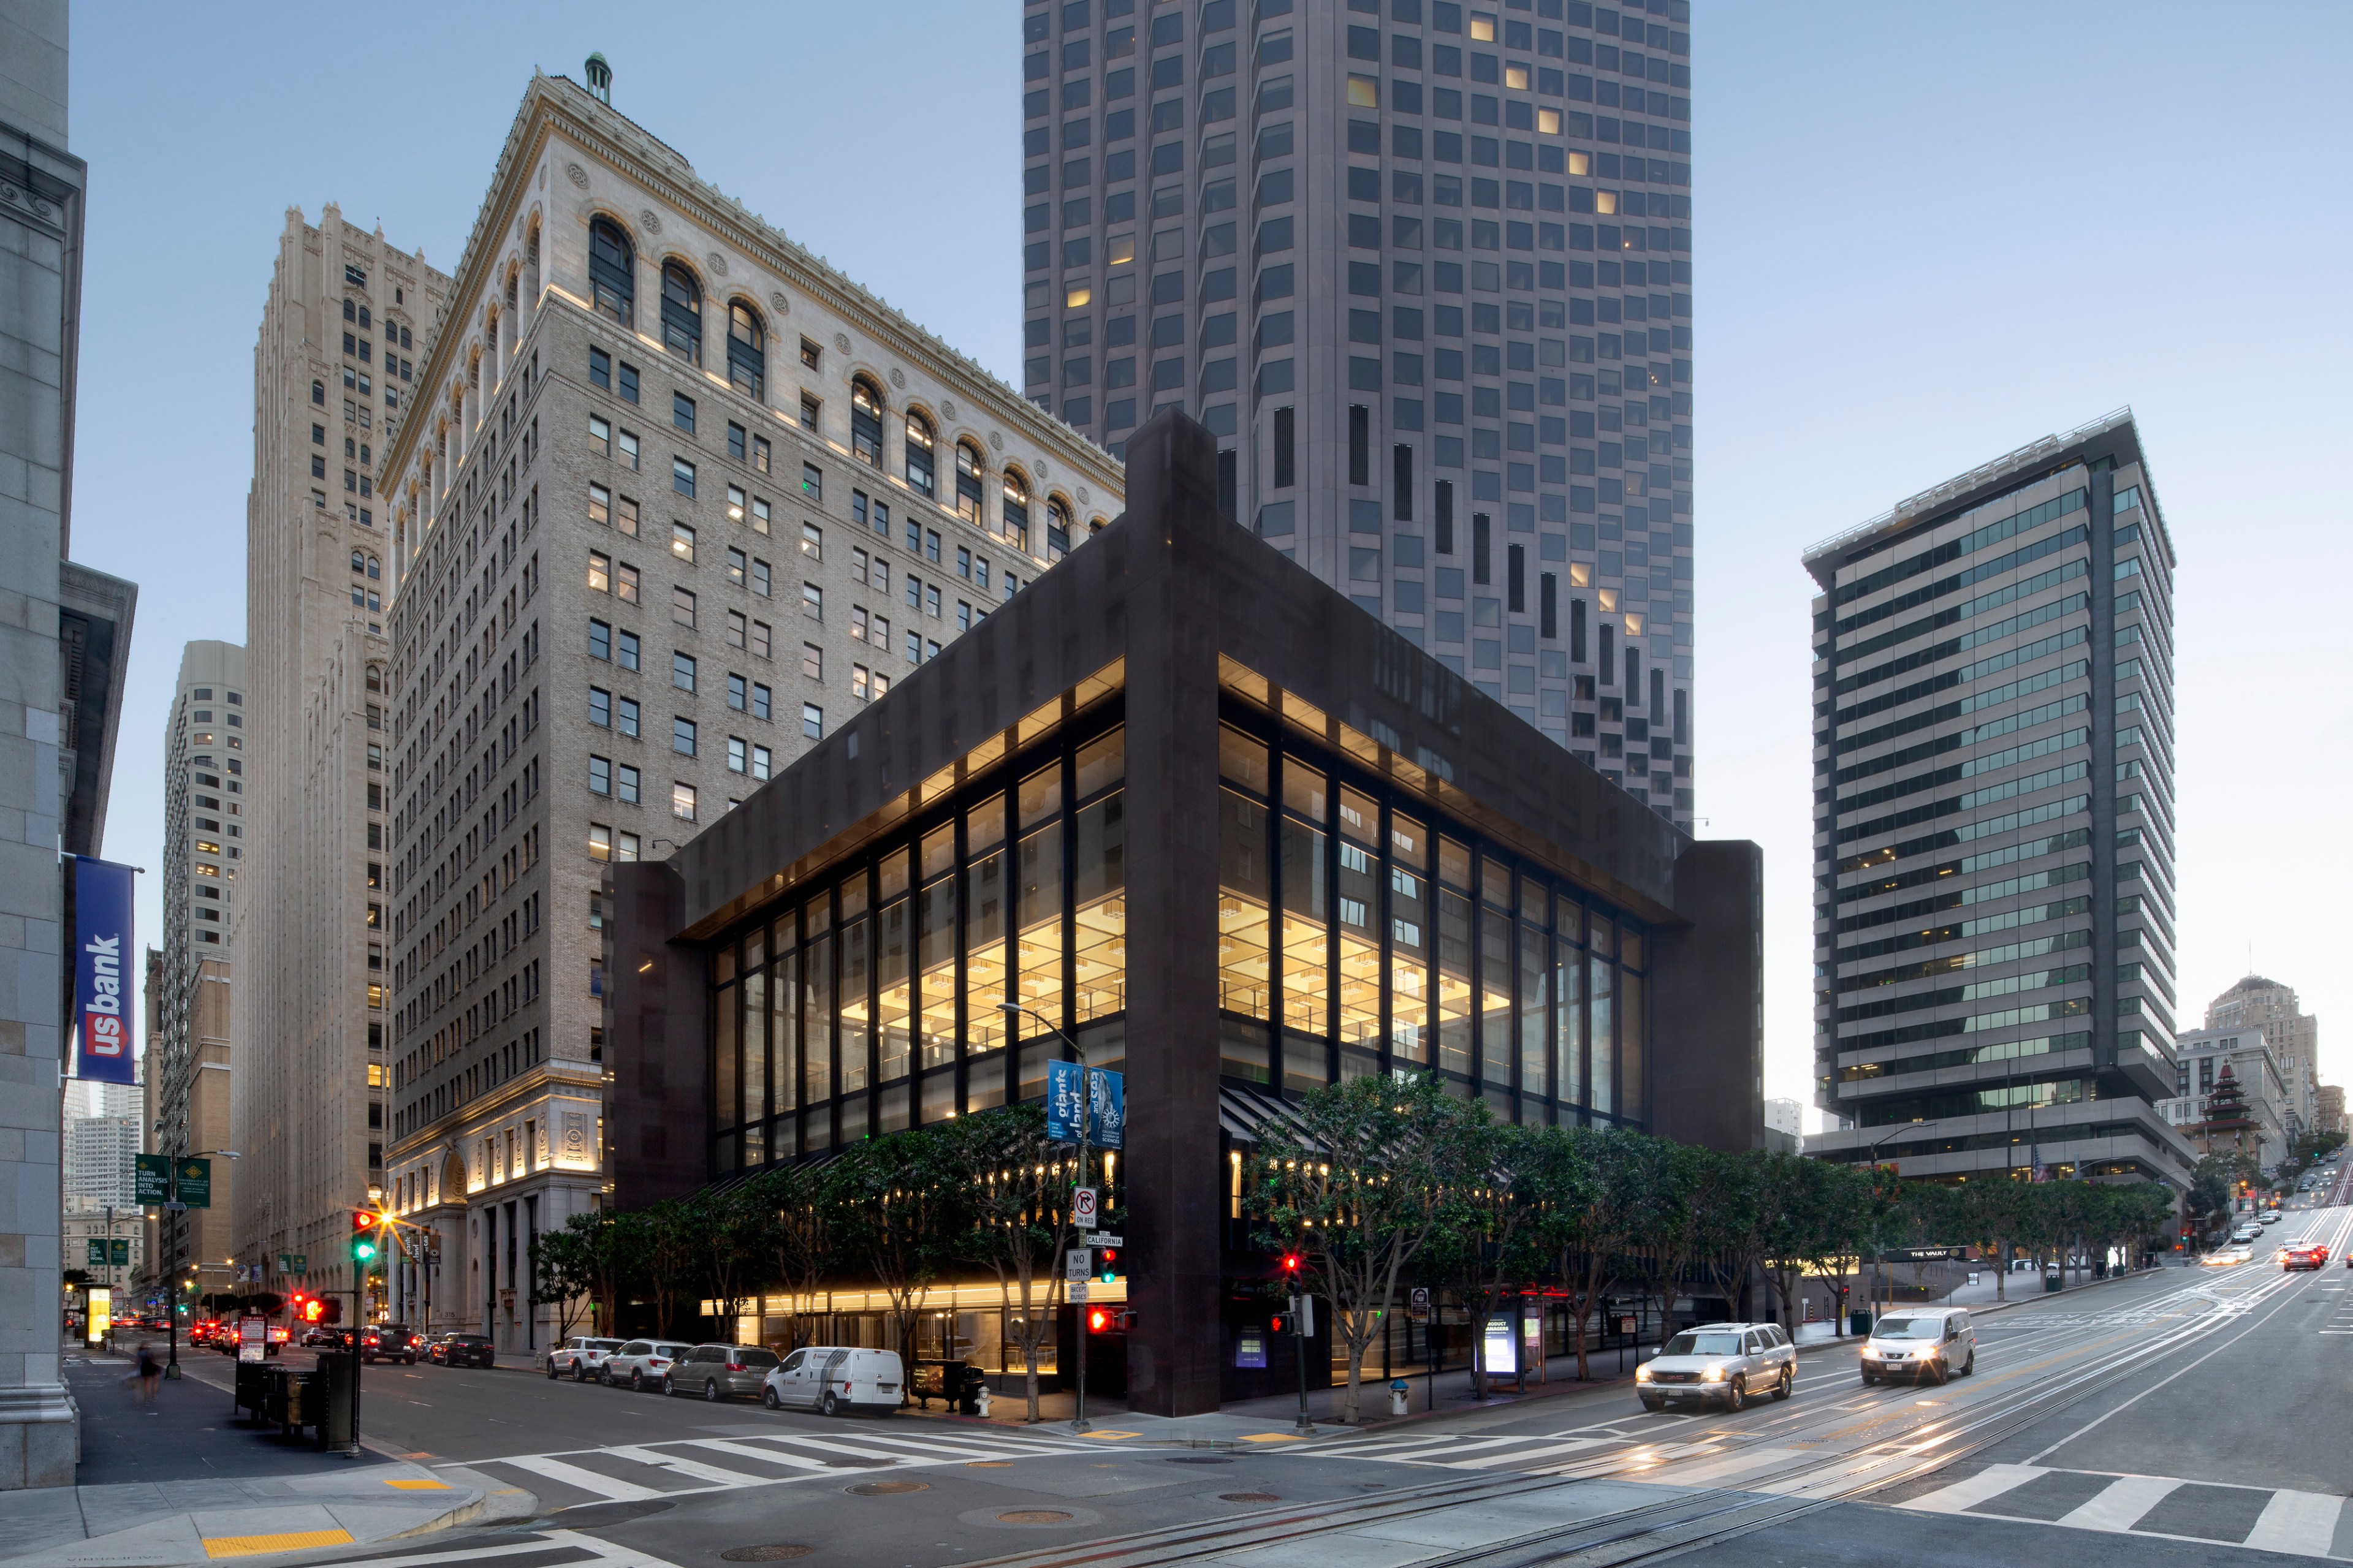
[364,1246]
[1109,1261]
[1290,1262]
[1098,1320]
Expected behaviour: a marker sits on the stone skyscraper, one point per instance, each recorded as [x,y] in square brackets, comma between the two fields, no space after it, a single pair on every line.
[1994,821]
[342,336]
[1424,268]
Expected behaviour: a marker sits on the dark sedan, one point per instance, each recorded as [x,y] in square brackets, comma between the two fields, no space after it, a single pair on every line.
[466,1350]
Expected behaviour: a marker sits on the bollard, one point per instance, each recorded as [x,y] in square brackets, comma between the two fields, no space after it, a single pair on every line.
[1399,1396]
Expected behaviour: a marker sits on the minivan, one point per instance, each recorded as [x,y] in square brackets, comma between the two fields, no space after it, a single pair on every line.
[719,1372]
[1924,1345]
[835,1378]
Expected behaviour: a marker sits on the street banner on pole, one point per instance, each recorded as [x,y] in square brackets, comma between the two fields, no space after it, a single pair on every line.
[102,937]
[192,1182]
[1106,1107]
[151,1179]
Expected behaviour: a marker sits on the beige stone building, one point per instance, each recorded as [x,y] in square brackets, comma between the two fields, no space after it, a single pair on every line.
[205,845]
[2295,1036]
[683,497]
[335,365]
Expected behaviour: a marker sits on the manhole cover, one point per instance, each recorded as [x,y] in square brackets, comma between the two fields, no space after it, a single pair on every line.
[1034,1516]
[1247,1497]
[889,1489]
[779,1553]
[1198,1459]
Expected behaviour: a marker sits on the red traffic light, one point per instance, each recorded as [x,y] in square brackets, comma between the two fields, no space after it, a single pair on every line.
[1098,1320]
[362,1220]
[1291,1261]
[1107,1255]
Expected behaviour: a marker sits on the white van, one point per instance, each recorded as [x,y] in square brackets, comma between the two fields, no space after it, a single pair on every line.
[833,1379]
[1923,1344]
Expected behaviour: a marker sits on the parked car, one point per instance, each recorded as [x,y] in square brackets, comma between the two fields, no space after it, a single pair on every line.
[640,1362]
[581,1355]
[388,1341]
[318,1334]
[2269,1216]
[718,1372]
[2248,1232]
[1925,1345]
[833,1379]
[467,1350]
[1731,1362]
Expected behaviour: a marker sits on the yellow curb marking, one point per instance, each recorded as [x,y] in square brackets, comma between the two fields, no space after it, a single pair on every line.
[1272,1437]
[414,1485]
[289,1540]
[1112,1436]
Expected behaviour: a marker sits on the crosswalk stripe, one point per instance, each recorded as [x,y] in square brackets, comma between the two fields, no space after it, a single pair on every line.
[2121,1503]
[591,1481]
[1519,1456]
[969,1449]
[765,1456]
[2297,1521]
[714,1474]
[1986,1484]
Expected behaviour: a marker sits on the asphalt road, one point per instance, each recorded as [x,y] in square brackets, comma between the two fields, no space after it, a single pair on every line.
[2185,1416]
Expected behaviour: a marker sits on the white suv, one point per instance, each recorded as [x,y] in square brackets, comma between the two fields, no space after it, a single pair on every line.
[581,1355]
[1924,1345]
[1732,1361]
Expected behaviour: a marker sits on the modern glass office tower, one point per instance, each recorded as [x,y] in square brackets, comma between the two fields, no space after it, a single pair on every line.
[1994,821]
[1424,269]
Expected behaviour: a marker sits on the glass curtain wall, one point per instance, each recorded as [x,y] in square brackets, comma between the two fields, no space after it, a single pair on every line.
[1355,936]
[872,1002]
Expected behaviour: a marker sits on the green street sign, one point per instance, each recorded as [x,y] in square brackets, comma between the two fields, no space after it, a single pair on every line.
[122,1252]
[97,1252]
[152,1178]
[194,1183]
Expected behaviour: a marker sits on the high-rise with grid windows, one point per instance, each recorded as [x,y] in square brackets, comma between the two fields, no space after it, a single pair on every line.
[1994,822]
[1424,268]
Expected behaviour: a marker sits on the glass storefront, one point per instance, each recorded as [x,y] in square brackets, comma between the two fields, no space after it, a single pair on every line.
[1359,931]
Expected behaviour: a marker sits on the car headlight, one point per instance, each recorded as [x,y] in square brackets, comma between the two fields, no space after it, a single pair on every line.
[1712,1374]
[1641,1374]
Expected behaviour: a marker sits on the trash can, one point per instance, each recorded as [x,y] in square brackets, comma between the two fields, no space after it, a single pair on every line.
[1858,1323]
[2052,1280]
[1400,1396]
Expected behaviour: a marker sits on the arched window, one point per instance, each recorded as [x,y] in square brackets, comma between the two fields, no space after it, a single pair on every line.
[1058,531]
[359,562]
[612,272]
[319,393]
[376,678]
[681,310]
[919,453]
[1017,510]
[968,471]
[866,422]
[374,569]
[747,354]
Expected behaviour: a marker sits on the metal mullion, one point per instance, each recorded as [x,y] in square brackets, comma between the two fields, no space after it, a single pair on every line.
[1277,993]
[1384,894]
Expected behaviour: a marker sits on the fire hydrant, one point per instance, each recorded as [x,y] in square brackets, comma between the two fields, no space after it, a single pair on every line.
[1400,1398]
[980,1402]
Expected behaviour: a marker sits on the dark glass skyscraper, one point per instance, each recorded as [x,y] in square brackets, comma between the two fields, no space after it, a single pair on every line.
[1424,269]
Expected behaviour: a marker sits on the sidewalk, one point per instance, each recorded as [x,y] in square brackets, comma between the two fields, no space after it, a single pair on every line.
[185,1481]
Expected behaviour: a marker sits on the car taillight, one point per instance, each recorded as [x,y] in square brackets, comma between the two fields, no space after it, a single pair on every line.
[734,1366]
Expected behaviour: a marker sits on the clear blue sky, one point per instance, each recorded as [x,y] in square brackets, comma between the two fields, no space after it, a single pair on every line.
[1925,234]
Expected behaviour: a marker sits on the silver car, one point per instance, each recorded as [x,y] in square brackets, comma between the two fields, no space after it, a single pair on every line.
[719,1372]
[1731,1362]
[1923,1345]
[641,1362]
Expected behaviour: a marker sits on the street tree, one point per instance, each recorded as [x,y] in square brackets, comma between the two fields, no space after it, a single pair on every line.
[796,1241]
[1591,1243]
[1358,1179]
[563,1275]
[1018,1221]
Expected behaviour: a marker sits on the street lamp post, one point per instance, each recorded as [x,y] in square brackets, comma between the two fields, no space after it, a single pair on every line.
[1869,1158]
[1013,1011]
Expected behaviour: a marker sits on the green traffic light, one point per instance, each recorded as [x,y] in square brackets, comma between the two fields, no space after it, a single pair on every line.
[363,1251]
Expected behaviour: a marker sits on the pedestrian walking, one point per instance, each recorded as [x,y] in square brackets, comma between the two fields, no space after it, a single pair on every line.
[149,1372]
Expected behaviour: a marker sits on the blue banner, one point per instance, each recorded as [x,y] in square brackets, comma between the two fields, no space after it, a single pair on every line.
[102,950]
[1106,1111]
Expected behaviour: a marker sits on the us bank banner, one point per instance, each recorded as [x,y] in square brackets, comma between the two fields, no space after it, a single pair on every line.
[102,952]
